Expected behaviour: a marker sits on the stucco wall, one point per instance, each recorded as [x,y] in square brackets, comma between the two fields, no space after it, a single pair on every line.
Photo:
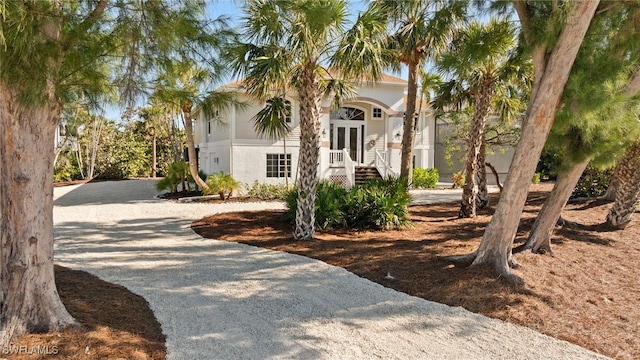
[215,158]
[374,136]
[388,94]
[244,125]
[250,163]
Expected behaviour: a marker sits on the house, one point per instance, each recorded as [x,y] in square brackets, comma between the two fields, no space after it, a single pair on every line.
[365,133]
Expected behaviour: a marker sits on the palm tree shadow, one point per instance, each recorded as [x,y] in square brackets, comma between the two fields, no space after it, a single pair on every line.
[585,233]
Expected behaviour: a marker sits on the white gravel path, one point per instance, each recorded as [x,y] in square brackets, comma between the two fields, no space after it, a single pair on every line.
[220,300]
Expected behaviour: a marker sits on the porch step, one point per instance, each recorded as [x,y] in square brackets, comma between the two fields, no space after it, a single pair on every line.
[364,173]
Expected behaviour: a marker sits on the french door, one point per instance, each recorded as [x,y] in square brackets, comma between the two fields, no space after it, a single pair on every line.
[348,137]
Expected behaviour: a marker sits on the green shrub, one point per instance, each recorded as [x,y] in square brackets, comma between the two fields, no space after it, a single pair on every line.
[378,204]
[592,183]
[329,208]
[177,174]
[221,184]
[264,191]
[536,178]
[425,178]
[190,182]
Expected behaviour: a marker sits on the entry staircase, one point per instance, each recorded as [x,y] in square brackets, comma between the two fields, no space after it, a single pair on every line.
[364,173]
[355,175]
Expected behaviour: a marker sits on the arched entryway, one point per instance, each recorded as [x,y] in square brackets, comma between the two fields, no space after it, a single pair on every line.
[346,131]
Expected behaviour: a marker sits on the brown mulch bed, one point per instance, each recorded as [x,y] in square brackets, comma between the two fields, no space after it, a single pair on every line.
[588,293]
[114,324]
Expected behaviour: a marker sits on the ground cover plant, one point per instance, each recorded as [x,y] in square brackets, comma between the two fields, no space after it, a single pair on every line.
[587,293]
[376,204]
[425,178]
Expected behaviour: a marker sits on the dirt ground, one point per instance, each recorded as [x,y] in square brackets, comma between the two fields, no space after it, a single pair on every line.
[588,293]
[115,324]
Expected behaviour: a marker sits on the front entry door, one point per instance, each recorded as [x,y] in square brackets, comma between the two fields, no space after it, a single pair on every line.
[348,137]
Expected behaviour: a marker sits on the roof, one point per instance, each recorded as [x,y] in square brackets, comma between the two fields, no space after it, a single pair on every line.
[392,79]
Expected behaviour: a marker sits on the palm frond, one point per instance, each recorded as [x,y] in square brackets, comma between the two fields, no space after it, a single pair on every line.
[363,49]
[270,121]
[338,90]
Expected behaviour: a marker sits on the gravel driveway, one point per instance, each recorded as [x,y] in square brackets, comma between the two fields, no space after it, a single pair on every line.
[220,300]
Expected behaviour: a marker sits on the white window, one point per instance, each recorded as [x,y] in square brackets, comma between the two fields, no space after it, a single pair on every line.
[277,166]
[287,118]
[377,113]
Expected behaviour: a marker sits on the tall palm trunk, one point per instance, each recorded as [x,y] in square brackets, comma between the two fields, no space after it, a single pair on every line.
[481,107]
[28,297]
[628,191]
[482,201]
[540,236]
[406,161]
[191,147]
[309,153]
[610,195]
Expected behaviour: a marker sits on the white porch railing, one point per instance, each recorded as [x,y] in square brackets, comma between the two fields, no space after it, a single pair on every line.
[350,167]
[336,158]
[342,159]
[382,165]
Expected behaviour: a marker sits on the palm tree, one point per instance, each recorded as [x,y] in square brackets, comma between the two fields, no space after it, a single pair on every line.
[271,122]
[183,84]
[628,189]
[481,58]
[287,43]
[419,30]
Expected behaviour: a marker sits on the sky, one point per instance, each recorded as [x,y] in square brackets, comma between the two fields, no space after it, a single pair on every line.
[233,10]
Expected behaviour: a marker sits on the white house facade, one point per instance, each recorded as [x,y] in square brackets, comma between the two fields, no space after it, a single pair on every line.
[366,132]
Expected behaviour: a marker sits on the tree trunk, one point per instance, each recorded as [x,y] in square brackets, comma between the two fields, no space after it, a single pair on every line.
[29,300]
[540,236]
[191,147]
[79,160]
[309,153]
[154,155]
[481,107]
[549,83]
[482,201]
[406,161]
[495,175]
[613,184]
[175,146]
[95,140]
[628,192]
